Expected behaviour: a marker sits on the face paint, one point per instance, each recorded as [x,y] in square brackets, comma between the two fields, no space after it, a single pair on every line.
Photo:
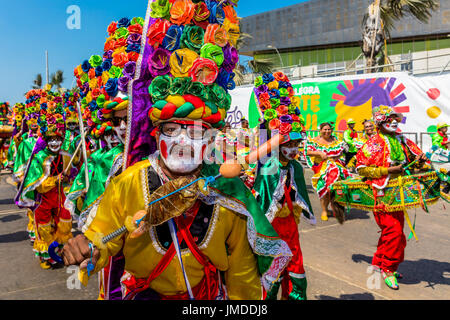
[72,126]
[181,154]
[121,131]
[390,126]
[289,153]
[54,145]
[112,140]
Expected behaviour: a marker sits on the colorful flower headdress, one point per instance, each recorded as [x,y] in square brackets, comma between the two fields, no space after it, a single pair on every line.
[382,113]
[103,79]
[278,105]
[192,60]
[18,114]
[47,109]
[5,110]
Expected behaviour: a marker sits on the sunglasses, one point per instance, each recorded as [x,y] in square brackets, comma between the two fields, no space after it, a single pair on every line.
[116,121]
[194,131]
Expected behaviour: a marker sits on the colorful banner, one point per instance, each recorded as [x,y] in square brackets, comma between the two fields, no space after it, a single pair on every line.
[424,101]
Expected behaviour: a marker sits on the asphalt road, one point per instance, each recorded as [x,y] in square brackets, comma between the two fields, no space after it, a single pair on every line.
[337,258]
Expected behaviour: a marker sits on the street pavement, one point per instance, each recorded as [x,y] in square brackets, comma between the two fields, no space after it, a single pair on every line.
[336,257]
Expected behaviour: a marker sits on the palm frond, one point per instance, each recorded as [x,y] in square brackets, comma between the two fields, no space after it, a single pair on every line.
[394,10]
[37,82]
[57,79]
[261,66]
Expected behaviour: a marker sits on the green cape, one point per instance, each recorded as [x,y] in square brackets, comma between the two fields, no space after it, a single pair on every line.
[24,151]
[273,254]
[269,187]
[38,173]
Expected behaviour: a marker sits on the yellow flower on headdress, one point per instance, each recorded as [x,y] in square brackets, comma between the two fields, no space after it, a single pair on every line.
[93,83]
[295,101]
[89,97]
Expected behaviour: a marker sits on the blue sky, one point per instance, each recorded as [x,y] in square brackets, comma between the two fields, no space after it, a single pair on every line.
[30,27]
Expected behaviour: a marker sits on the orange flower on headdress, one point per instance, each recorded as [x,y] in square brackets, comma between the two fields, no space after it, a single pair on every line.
[231,14]
[182,12]
[216,35]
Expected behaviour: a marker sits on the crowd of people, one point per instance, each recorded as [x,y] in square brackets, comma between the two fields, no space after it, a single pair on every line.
[166,205]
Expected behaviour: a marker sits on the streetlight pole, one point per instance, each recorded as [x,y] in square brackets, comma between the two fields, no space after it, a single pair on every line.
[46,66]
[278,52]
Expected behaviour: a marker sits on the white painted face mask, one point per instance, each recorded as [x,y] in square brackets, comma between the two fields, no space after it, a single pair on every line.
[72,126]
[54,145]
[390,127]
[112,140]
[181,154]
[289,153]
[121,131]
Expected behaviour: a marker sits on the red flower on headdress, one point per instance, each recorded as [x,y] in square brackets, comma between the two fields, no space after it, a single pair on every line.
[120,60]
[274,124]
[133,56]
[135,28]
[285,128]
[280,76]
[157,32]
[112,28]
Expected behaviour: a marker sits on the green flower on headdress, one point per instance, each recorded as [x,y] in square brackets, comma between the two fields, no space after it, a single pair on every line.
[197,89]
[296,127]
[275,103]
[258,82]
[212,52]
[284,92]
[179,86]
[160,87]
[192,38]
[115,72]
[217,94]
[121,33]
[292,109]
[160,9]
[101,101]
[96,61]
[270,114]
[84,78]
[138,20]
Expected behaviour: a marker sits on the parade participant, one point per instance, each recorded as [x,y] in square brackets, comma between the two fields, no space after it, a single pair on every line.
[72,125]
[323,155]
[44,183]
[280,186]
[26,138]
[369,129]
[17,116]
[440,139]
[220,231]
[350,135]
[6,131]
[382,158]
[226,143]
[246,142]
[106,113]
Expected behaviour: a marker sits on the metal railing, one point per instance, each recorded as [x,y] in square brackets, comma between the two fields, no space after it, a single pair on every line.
[395,66]
[413,136]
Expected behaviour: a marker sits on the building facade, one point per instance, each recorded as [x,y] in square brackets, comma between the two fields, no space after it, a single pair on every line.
[321,36]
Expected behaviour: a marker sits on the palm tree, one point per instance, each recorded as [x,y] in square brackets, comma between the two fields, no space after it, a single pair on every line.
[257,65]
[390,11]
[57,78]
[394,10]
[37,82]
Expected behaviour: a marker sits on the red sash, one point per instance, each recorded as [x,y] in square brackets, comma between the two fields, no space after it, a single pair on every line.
[205,290]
